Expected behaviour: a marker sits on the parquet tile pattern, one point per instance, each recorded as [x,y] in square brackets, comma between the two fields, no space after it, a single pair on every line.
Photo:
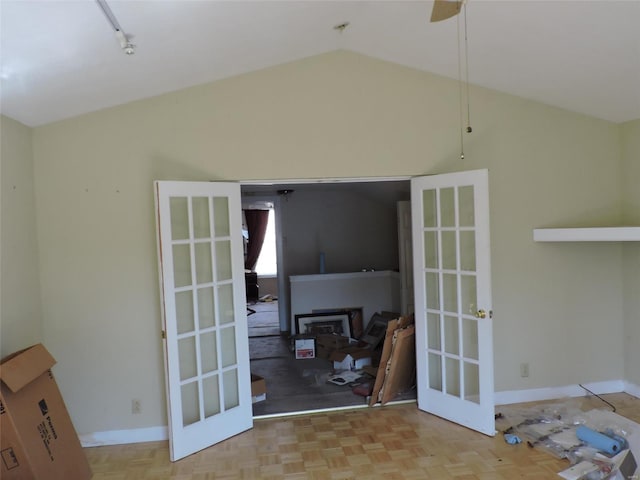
[393,442]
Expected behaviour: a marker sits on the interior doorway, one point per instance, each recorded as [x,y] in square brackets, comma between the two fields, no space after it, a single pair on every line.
[328,227]
[205,328]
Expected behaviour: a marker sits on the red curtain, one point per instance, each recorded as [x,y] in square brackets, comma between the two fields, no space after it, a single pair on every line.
[256,226]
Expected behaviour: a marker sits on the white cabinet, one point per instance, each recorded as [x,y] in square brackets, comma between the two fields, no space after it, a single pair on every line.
[371,291]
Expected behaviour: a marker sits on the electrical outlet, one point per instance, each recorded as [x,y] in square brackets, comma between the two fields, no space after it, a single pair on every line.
[524,370]
[136,406]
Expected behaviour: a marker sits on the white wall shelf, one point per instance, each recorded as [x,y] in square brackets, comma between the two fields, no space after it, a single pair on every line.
[601,234]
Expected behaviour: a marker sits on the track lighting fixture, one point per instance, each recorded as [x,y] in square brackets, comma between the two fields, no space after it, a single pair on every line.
[124,40]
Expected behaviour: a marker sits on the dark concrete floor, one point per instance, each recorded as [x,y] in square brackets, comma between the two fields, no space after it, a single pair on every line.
[292,385]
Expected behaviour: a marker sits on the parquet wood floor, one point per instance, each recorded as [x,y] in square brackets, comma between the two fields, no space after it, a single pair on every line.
[393,442]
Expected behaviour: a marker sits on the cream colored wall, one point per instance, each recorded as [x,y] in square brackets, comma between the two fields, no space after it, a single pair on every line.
[557,307]
[355,231]
[20,313]
[631,177]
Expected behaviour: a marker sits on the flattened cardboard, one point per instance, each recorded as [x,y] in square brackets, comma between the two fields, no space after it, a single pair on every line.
[387,349]
[386,354]
[37,438]
[401,367]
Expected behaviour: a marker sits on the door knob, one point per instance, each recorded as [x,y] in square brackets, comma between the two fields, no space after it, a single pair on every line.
[481,314]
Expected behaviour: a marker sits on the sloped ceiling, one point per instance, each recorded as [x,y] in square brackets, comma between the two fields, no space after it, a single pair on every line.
[61,58]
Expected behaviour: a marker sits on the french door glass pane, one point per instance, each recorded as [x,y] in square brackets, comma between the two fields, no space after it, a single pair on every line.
[206,310]
[430,208]
[227,340]
[184,311]
[190,403]
[204,269]
[447,207]
[449,292]
[435,372]
[453,376]
[230,385]
[201,225]
[221,216]
[468,293]
[466,206]
[431,249]
[181,265]
[470,338]
[471,382]
[431,285]
[208,352]
[211,393]
[225,302]
[433,331]
[451,338]
[468,250]
[449,250]
[179,218]
[187,355]
[223,260]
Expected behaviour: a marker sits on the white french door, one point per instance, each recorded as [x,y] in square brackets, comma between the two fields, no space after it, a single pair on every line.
[452,279]
[204,313]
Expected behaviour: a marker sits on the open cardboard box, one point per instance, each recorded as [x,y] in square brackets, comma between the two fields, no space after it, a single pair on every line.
[37,439]
[350,358]
[258,388]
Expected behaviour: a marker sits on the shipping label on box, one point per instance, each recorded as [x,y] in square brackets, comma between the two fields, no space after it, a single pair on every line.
[35,421]
[305,348]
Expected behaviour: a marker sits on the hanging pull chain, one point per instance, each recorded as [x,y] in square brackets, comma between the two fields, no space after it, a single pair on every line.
[466,60]
[463,84]
[460,101]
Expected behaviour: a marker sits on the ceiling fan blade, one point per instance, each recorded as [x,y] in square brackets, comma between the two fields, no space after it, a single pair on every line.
[443,9]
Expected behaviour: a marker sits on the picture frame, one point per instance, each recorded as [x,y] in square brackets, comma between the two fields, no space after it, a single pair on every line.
[355,318]
[375,331]
[323,322]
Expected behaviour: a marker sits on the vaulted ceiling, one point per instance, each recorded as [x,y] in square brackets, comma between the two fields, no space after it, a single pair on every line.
[61,58]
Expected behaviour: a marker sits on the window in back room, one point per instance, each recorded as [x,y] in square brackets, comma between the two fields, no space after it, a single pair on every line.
[267,264]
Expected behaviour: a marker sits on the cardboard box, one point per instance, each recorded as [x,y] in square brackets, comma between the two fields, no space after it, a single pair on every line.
[332,341]
[305,347]
[350,358]
[258,388]
[37,438]
[327,343]
[626,465]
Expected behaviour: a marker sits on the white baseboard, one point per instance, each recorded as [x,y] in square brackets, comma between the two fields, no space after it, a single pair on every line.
[156,434]
[118,437]
[552,393]
[632,389]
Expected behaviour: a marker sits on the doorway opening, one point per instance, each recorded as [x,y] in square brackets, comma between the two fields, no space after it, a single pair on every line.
[321,228]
